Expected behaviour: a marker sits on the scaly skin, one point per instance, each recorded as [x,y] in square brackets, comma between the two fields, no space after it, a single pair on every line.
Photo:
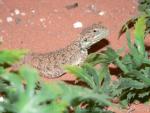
[50,64]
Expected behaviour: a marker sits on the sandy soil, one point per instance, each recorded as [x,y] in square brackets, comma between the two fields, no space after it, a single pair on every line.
[47,25]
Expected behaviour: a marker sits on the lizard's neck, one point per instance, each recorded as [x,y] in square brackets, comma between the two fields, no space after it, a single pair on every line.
[77,45]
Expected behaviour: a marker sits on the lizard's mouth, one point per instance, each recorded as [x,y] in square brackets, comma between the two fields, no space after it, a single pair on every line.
[97,40]
[89,44]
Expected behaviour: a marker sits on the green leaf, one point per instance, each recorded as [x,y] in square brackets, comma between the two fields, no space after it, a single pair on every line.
[126,83]
[15,82]
[91,110]
[137,58]
[72,93]
[130,96]
[11,56]
[103,74]
[120,64]
[89,75]
[2,70]
[93,74]
[128,24]
[139,33]
[139,76]
[105,58]
[80,73]
[31,81]
[144,94]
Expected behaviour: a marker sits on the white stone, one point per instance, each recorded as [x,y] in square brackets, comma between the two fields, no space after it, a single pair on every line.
[33,11]
[42,19]
[9,19]
[101,13]
[17,12]
[77,24]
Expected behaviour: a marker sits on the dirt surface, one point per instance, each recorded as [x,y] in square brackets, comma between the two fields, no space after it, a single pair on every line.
[47,25]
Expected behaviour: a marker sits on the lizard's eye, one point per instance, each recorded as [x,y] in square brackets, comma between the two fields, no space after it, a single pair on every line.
[94,30]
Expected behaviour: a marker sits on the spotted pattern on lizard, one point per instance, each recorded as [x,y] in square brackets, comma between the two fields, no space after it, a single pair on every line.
[51,64]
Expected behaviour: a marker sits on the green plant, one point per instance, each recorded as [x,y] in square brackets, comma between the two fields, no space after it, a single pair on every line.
[11,57]
[144,6]
[134,77]
[144,9]
[24,92]
[134,82]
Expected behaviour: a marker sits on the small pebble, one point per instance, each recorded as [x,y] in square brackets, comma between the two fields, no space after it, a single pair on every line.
[9,19]
[33,11]
[77,24]
[71,6]
[42,19]
[101,13]
[17,12]
[92,8]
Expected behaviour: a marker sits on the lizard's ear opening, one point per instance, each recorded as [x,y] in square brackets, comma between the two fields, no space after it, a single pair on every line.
[85,39]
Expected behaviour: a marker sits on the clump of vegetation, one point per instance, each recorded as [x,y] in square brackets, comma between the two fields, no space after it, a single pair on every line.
[23,91]
[144,9]
[144,6]
[134,81]
[134,78]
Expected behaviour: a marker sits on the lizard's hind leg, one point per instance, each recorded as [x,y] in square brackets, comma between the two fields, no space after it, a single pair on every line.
[53,72]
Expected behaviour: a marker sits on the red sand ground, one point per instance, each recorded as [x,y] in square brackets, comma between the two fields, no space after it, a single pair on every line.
[47,25]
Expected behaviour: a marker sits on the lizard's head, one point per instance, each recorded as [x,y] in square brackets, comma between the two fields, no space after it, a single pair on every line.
[92,35]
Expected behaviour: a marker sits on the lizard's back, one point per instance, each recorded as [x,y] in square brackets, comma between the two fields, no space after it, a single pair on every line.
[51,64]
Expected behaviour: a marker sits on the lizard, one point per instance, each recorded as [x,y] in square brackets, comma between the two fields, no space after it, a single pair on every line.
[50,64]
